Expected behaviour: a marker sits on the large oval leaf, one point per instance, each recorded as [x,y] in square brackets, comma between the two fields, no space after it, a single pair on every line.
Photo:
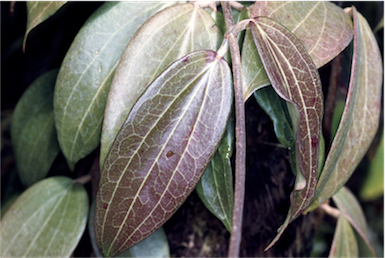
[38,12]
[87,70]
[33,130]
[322,27]
[47,220]
[295,78]
[360,118]
[162,150]
[164,38]
[344,242]
[350,208]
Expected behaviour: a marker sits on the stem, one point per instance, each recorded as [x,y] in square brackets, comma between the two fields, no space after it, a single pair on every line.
[240,136]
[330,210]
[83,179]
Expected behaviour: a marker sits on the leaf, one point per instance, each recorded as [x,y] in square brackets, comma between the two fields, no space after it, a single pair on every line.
[47,220]
[86,73]
[295,78]
[226,146]
[277,110]
[162,150]
[215,189]
[352,211]
[175,32]
[33,130]
[360,118]
[344,242]
[322,27]
[39,12]
[373,185]
[156,245]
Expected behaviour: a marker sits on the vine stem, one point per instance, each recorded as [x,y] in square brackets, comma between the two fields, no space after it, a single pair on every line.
[240,135]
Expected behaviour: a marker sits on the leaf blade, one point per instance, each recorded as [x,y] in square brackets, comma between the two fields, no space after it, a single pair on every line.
[33,130]
[322,27]
[295,78]
[344,242]
[363,105]
[87,70]
[193,82]
[352,211]
[48,219]
[38,12]
[189,29]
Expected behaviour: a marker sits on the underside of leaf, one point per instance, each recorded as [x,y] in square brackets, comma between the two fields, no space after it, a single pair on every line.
[162,150]
[164,38]
[295,78]
[360,118]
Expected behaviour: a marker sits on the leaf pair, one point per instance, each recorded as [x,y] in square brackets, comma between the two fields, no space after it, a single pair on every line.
[86,73]
[286,65]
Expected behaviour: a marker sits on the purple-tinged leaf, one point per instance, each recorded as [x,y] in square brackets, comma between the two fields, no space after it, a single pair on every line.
[322,27]
[361,115]
[344,242]
[166,37]
[162,149]
[295,78]
[352,211]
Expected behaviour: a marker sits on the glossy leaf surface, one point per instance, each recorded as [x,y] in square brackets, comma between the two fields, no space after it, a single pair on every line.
[344,242]
[86,73]
[215,189]
[162,150]
[295,78]
[164,38]
[33,130]
[352,211]
[38,12]
[322,27]
[47,220]
[360,118]
[277,110]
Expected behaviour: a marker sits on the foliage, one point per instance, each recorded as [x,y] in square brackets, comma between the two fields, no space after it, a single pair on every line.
[145,93]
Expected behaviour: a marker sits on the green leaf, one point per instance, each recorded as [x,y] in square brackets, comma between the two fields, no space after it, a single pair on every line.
[175,32]
[162,150]
[295,78]
[373,186]
[360,118]
[322,27]
[33,130]
[86,73]
[277,110]
[38,11]
[226,146]
[344,242]
[215,189]
[156,245]
[352,211]
[47,220]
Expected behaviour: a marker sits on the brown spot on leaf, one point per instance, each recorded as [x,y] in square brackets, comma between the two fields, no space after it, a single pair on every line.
[105,205]
[169,154]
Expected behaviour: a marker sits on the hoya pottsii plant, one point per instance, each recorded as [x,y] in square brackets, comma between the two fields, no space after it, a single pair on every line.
[154,93]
